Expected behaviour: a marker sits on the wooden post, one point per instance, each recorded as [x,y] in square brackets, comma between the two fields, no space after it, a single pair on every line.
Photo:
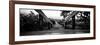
[73,22]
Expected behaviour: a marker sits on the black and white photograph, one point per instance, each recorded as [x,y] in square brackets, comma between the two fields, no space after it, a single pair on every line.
[35,22]
[40,22]
[53,22]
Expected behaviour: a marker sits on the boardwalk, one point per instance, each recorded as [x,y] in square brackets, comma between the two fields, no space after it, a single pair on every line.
[57,29]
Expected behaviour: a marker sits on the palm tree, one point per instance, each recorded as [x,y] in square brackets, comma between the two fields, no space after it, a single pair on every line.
[65,14]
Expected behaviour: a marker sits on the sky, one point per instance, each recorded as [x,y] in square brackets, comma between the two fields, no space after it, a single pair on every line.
[27,11]
[53,14]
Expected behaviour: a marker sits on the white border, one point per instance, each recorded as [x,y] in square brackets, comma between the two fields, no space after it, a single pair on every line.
[44,37]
